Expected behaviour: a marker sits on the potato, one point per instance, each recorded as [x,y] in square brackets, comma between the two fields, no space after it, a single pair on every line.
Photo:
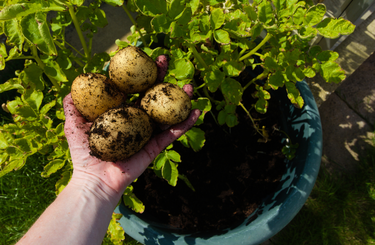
[93,94]
[132,70]
[119,133]
[166,103]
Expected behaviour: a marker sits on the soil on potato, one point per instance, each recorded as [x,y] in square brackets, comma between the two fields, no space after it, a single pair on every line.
[231,175]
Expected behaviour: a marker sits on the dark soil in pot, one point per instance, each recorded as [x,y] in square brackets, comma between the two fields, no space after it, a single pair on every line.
[231,175]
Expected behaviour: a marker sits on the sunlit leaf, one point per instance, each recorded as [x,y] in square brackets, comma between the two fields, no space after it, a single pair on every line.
[217,18]
[333,28]
[222,36]
[294,95]
[315,14]
[132,201]
[332,72]
[195,138]
[232,90]
[115,231]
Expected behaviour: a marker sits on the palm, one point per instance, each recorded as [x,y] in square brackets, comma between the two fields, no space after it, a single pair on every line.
[120,174]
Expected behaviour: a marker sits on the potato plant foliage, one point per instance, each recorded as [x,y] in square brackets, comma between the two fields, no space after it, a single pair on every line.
[209,42]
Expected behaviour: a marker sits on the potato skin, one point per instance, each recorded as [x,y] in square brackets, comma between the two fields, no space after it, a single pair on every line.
[119,133]
[93,94]
[132,70]
[166,103]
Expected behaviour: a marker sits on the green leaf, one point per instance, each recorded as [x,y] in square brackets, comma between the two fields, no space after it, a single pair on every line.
[222,36]
[33,98]
[186,180]
[13,31]
[3,141]
[315,14]
[161,23]
[194,4]
[12,84]
[204,105]
[77,2]
[115,2]
[36,30]
[265,12]
[152,8]
[54,70]
[332,72]
[176,8]
[52,167]
[213,79]
[233,68]
[315,50]
[327,55]
[132,201]
[276,80]
[160,160]
[19,10]
[294,73]
[251,13]
[232,90]
[182,69]
[307,32]
[115,231]
[333,28]
[309,72]
[32,76]
[174,156]
[263,96]
[65,178]
[279,4]
[170,173]
[217,18]
[271,63]
[95,65]
[195,138]
[294,95]
[98,18]
[290,150]
[23,111]
[13,164]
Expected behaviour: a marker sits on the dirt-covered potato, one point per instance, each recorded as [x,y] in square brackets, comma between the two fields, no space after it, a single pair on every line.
[93,94]
[132,70]
[166,103]
[119,133]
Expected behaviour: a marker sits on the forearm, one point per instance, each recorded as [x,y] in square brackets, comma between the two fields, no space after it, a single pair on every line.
[79,215]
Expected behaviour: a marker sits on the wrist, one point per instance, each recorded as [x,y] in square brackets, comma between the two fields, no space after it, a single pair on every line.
[94,188]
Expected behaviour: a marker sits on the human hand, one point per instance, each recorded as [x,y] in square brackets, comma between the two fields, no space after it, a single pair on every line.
[116,175]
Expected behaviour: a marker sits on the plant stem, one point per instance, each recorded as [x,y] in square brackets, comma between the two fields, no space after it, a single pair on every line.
[198,56]
[42,65]
[252,120]
[79,31]
[255,79]
[134,23]
[254,50]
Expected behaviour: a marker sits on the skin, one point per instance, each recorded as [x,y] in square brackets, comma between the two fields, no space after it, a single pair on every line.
[82,211]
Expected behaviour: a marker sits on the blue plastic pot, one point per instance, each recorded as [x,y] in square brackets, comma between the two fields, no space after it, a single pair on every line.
[276,210]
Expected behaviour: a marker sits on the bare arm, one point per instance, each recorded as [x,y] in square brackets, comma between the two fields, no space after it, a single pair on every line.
[82,211]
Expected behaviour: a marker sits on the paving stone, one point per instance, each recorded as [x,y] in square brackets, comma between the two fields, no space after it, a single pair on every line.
[358,90]
[345,135]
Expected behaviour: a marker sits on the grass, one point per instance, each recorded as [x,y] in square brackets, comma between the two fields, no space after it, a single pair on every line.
[24,195]
[339,211]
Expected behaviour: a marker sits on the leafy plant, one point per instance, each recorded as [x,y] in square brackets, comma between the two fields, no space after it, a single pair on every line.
[209,43]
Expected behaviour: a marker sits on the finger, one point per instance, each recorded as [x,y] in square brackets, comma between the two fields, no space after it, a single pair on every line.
[136,164]
[76,126]
[72,115]
[162,64]
[188,88]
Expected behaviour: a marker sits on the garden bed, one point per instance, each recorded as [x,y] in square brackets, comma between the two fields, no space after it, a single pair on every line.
[231,175]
